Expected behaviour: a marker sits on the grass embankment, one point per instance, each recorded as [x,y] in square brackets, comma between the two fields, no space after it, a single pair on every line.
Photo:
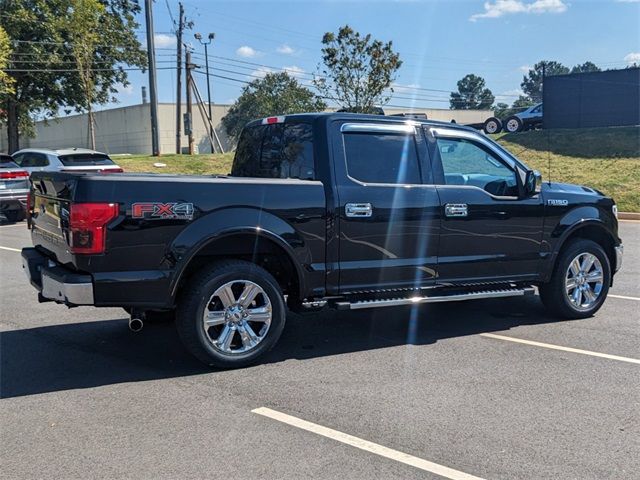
[604,158]
[607,159]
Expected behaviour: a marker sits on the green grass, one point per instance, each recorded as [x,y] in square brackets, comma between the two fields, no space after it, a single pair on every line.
[604,158]
[205,164]
[607,159]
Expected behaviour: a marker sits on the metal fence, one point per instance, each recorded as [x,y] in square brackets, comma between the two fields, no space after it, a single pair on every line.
[597,99]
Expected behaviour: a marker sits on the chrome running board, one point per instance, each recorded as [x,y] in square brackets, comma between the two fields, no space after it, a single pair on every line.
[395,302]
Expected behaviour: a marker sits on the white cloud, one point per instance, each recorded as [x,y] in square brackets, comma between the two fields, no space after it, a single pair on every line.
[294,71]
[628,1]
[261,72]
[400,88]
[285,49]
[162,40]
[246,52]
[500,8]
[525,68]
[509,96]
[128,90]
[631,58]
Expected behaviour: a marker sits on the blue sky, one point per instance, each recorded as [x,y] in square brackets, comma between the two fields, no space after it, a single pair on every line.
[438,41]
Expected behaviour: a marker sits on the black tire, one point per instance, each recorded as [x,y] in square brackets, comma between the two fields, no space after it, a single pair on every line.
[512,124]
[195,297]
[553,293]
[492,125]
[14,215]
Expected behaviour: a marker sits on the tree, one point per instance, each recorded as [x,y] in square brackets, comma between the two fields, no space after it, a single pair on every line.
[472,94]
[500,109]
[43,62]
[585,68]
[6,82]
[532,82]
[275,94]
[357,71]
[83,24]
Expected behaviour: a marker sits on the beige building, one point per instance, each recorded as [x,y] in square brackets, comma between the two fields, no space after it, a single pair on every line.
[128,129]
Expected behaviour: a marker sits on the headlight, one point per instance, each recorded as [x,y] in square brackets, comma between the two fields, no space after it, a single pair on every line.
[614,209]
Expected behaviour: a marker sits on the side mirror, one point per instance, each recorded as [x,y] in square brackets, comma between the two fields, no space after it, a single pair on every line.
[532,183]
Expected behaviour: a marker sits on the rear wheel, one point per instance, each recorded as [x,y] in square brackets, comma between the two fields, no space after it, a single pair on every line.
[230,314]
[580,282]
[492,125]
[14,215]
[513,124]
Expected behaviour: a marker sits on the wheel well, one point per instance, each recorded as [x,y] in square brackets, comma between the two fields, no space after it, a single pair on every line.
[598,235]
[252,248]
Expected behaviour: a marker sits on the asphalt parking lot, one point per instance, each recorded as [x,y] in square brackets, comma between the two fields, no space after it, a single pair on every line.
[439,391]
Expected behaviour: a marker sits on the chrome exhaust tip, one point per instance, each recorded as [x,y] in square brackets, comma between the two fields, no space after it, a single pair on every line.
[135,324]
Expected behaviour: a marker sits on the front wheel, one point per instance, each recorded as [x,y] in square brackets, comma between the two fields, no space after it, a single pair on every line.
[230,314]
[580,281]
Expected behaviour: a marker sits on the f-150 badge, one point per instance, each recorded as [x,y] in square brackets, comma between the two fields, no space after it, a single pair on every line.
[162,211]
[558,202]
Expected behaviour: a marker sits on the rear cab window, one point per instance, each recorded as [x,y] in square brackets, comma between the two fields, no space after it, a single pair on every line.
[85,159]
[376,156]
[280,150]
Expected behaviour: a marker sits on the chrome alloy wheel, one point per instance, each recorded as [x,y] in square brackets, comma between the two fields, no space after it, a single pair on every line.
[583,281]
[237,317]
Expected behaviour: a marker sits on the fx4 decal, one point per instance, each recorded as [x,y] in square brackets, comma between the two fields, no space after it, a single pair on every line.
[556,202]
[159,210]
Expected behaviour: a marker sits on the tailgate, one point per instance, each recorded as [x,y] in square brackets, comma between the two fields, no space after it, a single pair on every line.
[52,194]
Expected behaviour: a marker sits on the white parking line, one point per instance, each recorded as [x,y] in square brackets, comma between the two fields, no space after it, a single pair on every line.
[366,445]
[564,349]
[623,297]
[10,249]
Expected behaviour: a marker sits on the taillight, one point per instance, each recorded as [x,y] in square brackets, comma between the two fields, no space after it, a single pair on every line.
[14,175]
[87,226]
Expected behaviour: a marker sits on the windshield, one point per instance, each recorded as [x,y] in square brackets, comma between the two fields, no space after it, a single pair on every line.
[85,159]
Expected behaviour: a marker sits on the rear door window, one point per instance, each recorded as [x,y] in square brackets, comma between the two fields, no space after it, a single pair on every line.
[31,159]
[276,151]
[382,158]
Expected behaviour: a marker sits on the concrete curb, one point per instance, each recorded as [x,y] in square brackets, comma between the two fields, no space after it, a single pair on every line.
[629,216]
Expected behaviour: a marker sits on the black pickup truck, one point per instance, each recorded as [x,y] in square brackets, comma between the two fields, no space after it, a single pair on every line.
[339,210]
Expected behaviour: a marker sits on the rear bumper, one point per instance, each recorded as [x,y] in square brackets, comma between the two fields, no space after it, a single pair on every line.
[144,289]
[13,202]
[55,282]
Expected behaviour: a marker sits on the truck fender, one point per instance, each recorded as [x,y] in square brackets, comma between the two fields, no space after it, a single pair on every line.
[573,221]
[231,221]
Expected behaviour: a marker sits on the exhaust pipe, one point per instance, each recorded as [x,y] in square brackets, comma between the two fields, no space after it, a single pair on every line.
[135,324]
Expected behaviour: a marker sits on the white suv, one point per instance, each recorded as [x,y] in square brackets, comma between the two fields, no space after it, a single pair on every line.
[64,160]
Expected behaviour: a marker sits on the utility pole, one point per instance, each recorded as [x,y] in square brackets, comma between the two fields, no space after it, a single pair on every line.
[188,127]
[211,36]
[153,88]
[179,82]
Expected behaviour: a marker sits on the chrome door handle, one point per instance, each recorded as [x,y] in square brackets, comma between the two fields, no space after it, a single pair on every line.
[455,210]
[358,210]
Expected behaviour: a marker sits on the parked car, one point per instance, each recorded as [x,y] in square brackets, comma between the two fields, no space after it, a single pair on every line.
[529,118]
[65,160]
[341,210]
[14,188]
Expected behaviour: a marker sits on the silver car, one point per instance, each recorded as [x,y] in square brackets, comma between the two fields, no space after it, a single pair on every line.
[14,188]
[65,160]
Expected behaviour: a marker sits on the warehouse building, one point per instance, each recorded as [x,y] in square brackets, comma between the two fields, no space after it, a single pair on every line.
[128,129]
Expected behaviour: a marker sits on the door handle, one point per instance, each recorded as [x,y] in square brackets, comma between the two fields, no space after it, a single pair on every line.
[358,210]
[456,210]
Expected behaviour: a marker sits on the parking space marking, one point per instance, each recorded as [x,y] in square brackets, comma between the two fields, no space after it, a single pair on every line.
[559,347]
[10,249]
[371,447]
[623,297]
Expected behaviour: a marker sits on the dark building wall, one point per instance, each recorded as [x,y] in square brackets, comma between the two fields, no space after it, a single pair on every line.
[597,99]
